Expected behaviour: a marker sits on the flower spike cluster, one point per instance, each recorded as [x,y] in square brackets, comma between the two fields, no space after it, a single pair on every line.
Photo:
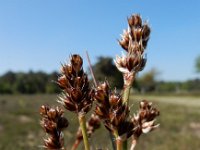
[144,121]
[145,118]
[75,85]
[134,41]
[53,123]
[114,113]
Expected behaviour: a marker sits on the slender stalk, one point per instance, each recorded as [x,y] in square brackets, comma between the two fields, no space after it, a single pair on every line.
[126,94]
[118,140]
[128,81]
[91,71]
[82,123]
[75,145]
[112,137]
[134,142]
[119,143]
[125,145]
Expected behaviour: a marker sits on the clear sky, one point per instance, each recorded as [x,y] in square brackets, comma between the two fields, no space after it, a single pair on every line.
[39,34]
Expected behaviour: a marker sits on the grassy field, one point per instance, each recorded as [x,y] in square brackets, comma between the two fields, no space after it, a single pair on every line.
[179,119]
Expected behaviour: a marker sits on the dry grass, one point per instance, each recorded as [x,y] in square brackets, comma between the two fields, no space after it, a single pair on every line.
[179,130]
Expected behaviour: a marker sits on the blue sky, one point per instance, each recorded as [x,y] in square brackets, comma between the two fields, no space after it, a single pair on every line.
[39,34]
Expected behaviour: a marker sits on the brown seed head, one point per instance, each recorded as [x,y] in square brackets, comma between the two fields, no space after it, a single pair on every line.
[53,123]
[63,82]
[132,62]
[76,62]
[112,111]
[124,42]
[75,85]
[52,144]
[134,41]
[135,21]
[144,120]
[43,110]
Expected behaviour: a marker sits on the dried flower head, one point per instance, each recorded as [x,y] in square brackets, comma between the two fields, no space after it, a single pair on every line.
[114,113]
[144,120]
[53,123]
[132,62]
[134,41]
[74,82]
[137,32]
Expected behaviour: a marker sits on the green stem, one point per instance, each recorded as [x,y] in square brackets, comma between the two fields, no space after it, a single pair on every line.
[118,140]
[125,145]
[126,94]
[82,123]
[112,140]
[119,143]
[128,81]
[76,143]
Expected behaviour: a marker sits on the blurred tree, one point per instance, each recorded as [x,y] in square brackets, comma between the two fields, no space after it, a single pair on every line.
[19,85]
[51,86]
[28,83]
[41,82]
[105,69]
[147,82]
[168,87]
[9,77]
[197,65]
[191,85]
[6,81]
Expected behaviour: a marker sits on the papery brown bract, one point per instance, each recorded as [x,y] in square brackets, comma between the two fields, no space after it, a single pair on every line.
[135,21]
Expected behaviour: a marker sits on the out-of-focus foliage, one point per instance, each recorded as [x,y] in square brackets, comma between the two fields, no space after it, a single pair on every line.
[41,82]
[147,82]
[197,65]
[106,69]
[28,83]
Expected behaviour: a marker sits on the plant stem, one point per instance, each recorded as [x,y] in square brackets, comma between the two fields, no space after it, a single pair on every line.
[128,81]
[118,140]
[82,123]
[91,70]
[119,143]
[125,145]
[126,94]
[134,142]
[112,140]
[75,145]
